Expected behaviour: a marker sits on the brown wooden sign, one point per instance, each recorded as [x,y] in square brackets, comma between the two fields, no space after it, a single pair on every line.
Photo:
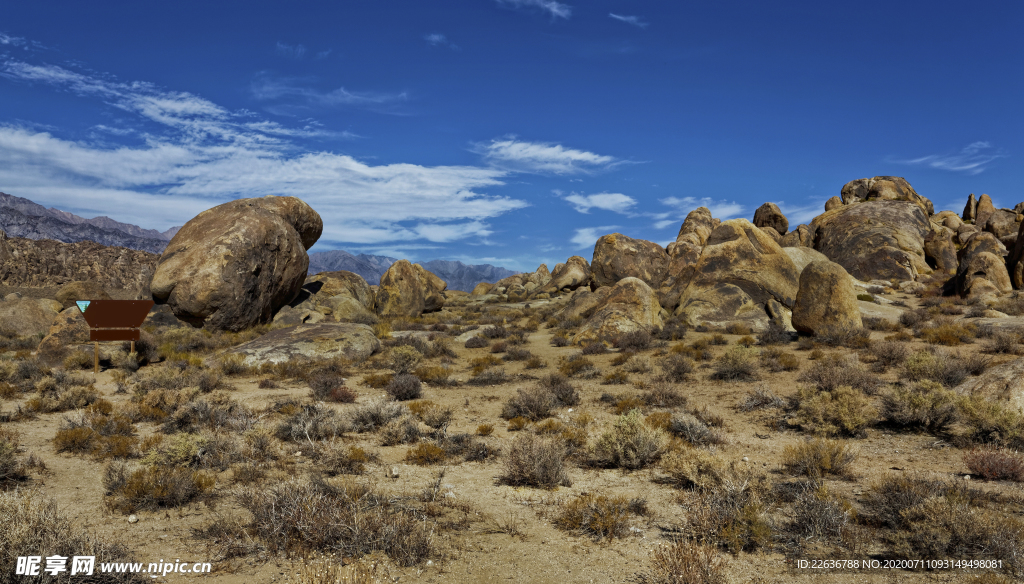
[114,320]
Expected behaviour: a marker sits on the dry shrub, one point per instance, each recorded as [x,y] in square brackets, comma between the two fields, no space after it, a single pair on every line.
[685,562]
[532,403]
[346,520]
[775,359]
[34,524]
[517,354]
[845,336]
[677,368]
[499,347]
[561,388]
[761,398]
[949,369]
[1007,343]
[495,332]
[634,341]
[615,378]
[404,387]
[594,348]
[630,444]
[989,421]
[819,458]
[877,323]
[774,334]
[323,384]
[889,354]
[694,431]
[663,395]
[489,377]
[737,364]
[598,516]
[845,411]
[476,342]
[378,380]
[560,339]
[535,363]
[403,359]
[402,430]
[425,453]
[132,488]
[10,467]
[821,514]
[518,423]
[104,435]
[311,422]
[731,514]
[485,429]
[894,494]
[626,404]
[336,459]
[737,328]
[995,464]
[535,461]
[925,405]
[694,468]
[828,374]
[1012,305]
[577,365]
[212,414]
[948,333]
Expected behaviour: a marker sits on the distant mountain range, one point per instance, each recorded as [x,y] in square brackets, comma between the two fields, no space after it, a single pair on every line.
[458,275]
[20,217]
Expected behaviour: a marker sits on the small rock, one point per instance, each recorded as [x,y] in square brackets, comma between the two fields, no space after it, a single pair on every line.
[133,519]
[967,477]
[746,459]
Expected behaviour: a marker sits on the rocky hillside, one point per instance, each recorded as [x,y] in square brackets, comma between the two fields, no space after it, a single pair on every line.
[460,276]
[49,263]
[457,275]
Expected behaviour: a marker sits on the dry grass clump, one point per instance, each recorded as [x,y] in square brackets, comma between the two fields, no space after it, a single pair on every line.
[818,458]
[403,359]
[577,365]
[845,336]
[694,468]
[663,395]
[535,363]
[821,514]
[1012,305]
[635,341]
[630,444]
[775,359]
[615,378]
[404,387]
[62,391]
[517,354]
[987,421]
[676,367]
[323,386]
[335,458]
[844,410]
[485,429]
[378,380]
[313,422]
[131,488]
[425,453]
[835,371]
[99,432]
[888,354]
[536,461]
[877,323]
[633,363]
[348,520]
[537,402]
[949,369]
[401,430]
[476,342]
[490,377]
[685,562]
[694,431]
[761,398]
[737,364]
[178,375]
[926,405]
[1007,343]
[732,514]
[599,516]
[594,348]
[10,467]
[894,494]
[947,332]
[212,414]
[33,523]
[995,464]
[774,334]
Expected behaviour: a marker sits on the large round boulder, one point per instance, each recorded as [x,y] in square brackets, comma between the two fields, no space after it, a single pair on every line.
[575,272]
[825,300]
[983,275]
[971,209]
[939,249]
[73,291]
[407,289]
[481,289]
[67,329]
[884,188]
[769,215]
[630,305]
[802,256]
[683,255]
[233,266]
[833,202]
[28,317]
[1001,223]
[617,256]
[801,236]
[984,210]
[875,240]
[1003,383]
[740,270]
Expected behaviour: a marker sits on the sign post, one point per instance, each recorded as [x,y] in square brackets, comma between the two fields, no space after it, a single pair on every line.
[113,320]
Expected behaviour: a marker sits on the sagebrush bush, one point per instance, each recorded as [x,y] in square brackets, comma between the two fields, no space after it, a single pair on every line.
[889,354]
[477,342]
[577,365]
[833,372]
[774,334]
[987,421]
[311,422]
[686,562]
[891,496]
[133,488]
[635,341]
[775,359]
[949,369]
[532,403]
[404,387]
[844,410]
[425,453]
[821,514]
[926,405]
[737,364]
[663,395]
[535,461]
[694,431]
[948,333]
[630,443]
[402,430]
[677,368]
[995,464]
[403,359]
[819,458]
[598,516]
[761,398]
[694,468]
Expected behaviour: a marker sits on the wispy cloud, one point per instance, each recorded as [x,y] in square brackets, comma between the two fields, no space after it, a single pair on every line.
[542,157]
[586,237]
[290,51]
[439,40]
[195,154]
[615,202]
[973,159]
[634,20]
[682,206]
[294,94]
[6,39]
[556,9]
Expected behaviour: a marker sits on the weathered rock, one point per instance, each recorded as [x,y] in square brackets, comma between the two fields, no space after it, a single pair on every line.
[770,232]
[769,215]
[802,256]
[318,341]
[575,272]
[825,299]
[984,210]
[1003,383]
[833,202]
[341,283]
[1001,223]
[971,209]
[617,256]
[67,329]
[940,251]
[1015,262]
[884,188]
[407,289]
[233,266]
[1019,209]
[872,310]
[540,277]
[48,263]
[628,306]
[583,303]
[802,236]
[73,291]
[481,289]
[739,271]
[5,250]
[28,317]
[979,242]
[965,232]
[684,253]
[983,274]
[517,293]
[343,295]
[695,230]
[875,240]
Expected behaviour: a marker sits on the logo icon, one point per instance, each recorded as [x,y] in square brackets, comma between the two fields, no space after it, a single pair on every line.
[82,305]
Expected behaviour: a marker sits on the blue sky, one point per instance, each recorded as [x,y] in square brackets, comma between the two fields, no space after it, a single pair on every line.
[508,132]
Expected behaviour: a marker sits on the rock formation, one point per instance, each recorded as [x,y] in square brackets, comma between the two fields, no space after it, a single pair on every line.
[884,188]
[74,291]
[1015,262]
[982,269]
[317,341]
[233,266]
[971,209]
[617,256]
[802,236]
[684,253]
[825,299]
[48,263]
[406,289]
[769,215]
[575,272]
[630,305]
[984,209]
[28,317]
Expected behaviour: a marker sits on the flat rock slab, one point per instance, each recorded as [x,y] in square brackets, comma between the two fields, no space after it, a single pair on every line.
[315,341]
[1004,383]
[872,310]
[1004,323]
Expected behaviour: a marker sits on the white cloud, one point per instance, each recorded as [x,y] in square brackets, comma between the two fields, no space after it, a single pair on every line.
[11,40]
[288,89]
[291,51]
[634,20]
[616,202]
[586,237]
[973,159]
[201,155]
[803,213]
[556,9]
[439,40]
[719,209]
[542,157]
